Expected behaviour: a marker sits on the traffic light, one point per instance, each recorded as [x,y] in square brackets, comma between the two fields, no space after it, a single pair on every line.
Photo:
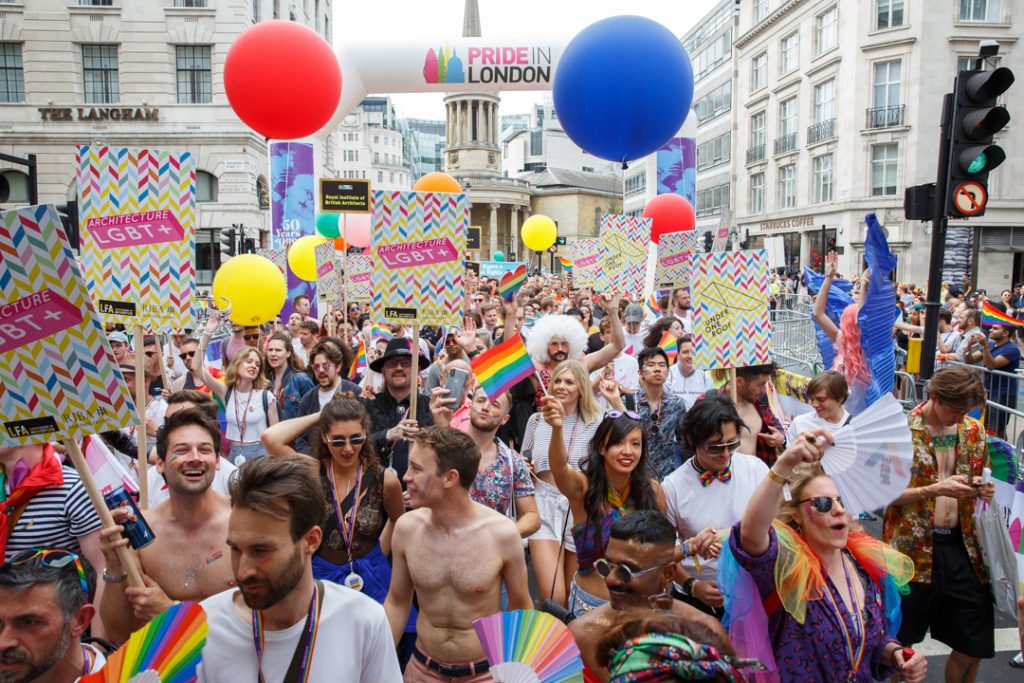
[709,241]
[976,118]
[69,219]
[830,244]
[228,243]
[560,241]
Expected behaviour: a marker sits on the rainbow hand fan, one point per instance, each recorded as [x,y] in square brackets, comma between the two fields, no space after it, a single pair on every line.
[166,650]
[526,646]
[511,282]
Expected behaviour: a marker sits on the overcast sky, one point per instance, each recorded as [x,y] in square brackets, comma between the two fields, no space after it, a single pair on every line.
[391,21]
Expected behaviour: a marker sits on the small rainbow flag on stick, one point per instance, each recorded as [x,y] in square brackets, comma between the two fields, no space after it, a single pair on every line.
[670,346]
[378,331]
[566,263]
[652,305]
[358,363]
[990,315]
[499,368]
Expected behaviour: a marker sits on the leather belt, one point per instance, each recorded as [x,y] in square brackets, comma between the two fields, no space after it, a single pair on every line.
[456,671]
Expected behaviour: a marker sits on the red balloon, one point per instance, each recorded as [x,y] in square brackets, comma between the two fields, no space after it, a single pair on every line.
[669,213]
[282,79]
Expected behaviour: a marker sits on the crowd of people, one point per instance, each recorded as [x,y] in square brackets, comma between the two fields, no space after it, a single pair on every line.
[346,522]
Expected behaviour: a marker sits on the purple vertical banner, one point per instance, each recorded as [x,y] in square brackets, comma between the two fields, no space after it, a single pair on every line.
[677,168]
[292,209]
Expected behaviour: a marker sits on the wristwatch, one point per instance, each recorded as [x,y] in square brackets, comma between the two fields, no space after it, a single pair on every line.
[688,585]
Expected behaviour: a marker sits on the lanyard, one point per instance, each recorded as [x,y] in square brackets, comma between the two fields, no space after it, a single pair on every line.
[244,421]
[572,438]
[858,623]
[299,668]
[348,534]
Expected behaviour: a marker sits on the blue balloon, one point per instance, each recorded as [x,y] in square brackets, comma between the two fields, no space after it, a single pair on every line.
[623,87]
[498,256]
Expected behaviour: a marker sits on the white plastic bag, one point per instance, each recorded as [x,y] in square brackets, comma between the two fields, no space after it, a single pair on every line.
[997,553]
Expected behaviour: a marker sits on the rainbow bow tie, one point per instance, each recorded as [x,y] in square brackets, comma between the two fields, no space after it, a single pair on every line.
[708,476]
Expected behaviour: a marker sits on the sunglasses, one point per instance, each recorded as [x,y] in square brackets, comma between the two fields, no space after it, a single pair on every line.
[186,354]
[398,363]
[250,337]
[616,414]
[56,558]
[822,504]
[720,448]
[341,442]
[322,366]
[622,572]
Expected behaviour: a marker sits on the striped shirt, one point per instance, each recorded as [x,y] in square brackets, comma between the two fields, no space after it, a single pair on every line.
[574,431]
[55,518]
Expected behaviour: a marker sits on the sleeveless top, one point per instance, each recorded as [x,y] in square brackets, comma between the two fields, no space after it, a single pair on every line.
[591,541]
[369,524]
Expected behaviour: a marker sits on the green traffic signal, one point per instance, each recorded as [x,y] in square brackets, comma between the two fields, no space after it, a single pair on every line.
[978,165]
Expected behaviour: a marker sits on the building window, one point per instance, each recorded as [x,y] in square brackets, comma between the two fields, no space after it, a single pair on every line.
[826,35]
[194,75]
[190,3]
[713,200]
[789,53]
[758,72]
[760,10]
[822,179]
[255,11]
[262,192]
[714,152]
[636,184]
[990,11]
[757,193]
[889,14]
[757,126]
[968,64]
[714,54]
[96,3]
[787,117]
[884,164]
[99,70]
[825,101]
[380,176]
[887,84]
[12,73]
[787,186]
[206,187]
[715,103]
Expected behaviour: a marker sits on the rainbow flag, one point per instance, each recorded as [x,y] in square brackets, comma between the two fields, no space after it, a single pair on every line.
[378,331]
[511,282]
[499,368]
[670,346]
[358,363]
[652,305]
[566,263]
[990,315]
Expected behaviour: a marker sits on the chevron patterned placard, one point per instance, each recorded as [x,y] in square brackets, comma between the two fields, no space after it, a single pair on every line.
[675,252]
[328,274]
[276,255]
[418,243]
[729,291]
[624,244]
[359,278]
[58,378]
[137,221]
[586,264]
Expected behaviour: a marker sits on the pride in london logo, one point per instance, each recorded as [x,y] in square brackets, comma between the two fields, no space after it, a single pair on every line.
[488,65]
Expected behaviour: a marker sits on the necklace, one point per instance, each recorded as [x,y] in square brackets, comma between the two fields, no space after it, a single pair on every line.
[243,421]
[855,655]
[348,532]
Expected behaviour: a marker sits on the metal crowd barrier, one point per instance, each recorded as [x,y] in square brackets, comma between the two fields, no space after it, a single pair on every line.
[793,334]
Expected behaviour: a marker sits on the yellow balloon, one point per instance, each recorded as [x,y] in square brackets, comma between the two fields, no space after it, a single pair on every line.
[302,259]
[437,182]
[539,232]
[253,286]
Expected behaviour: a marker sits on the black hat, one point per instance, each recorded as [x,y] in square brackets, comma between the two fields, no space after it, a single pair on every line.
[400,347]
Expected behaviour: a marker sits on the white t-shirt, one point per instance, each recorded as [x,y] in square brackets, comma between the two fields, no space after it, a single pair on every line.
[691,387]
[686,322]
[300,350]
[692,507]
[93,653]
[325,396]
[809,421]
[158,487]
[353,642]
[253,417]
[634,343]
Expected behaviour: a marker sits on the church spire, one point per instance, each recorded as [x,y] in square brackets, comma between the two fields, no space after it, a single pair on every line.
[471,20]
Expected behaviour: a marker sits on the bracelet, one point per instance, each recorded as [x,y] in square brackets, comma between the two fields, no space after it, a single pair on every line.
[688,586]
[107,578]
[776,477]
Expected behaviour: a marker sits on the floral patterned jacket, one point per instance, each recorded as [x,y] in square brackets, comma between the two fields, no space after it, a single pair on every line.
[908,528]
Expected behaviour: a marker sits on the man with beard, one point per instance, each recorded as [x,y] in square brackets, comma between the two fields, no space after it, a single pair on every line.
[455,553]
[681,308]
[44,610]
[637,567]
[327,361]
[390,422]
[281,624]
[188,559]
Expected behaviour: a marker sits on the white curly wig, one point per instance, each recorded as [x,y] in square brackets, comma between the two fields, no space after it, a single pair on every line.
[550,327]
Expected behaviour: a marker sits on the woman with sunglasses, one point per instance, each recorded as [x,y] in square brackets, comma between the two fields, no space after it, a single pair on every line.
[364,499]
[249,407]
[829,590]
[286,374]
[613,481]
[570,385]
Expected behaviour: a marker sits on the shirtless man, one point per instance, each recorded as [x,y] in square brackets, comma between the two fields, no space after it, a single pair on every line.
[640,561]
[455,553]
[763,435]
[189,559]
